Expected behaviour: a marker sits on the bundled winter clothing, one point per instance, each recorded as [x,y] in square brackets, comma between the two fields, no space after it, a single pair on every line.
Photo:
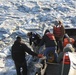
[59,31]
[50,43]
[67,48]
[64,60]
[18,53]
[34,38]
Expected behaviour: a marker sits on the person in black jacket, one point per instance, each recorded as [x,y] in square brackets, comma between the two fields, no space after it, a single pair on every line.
[34,40]
[18,53]
[34,37]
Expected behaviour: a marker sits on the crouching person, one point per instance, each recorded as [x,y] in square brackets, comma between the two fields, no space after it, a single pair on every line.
[34,40]
[18,53]
[49,41]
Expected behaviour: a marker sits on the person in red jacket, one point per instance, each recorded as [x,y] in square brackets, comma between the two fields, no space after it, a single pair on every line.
[68,40]
[59,31]
[49,41]
[18,53]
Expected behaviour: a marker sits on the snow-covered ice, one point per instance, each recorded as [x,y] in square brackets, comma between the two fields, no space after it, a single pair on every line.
[17,17]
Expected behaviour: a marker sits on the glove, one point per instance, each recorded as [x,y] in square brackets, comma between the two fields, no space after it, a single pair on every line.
[40,55]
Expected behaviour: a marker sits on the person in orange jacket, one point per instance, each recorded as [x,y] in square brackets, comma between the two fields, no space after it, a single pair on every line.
[63,59]
[59,31]
[49,41]
[68,40]
[67,48]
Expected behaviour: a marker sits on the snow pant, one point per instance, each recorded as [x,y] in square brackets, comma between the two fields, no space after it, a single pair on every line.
[21,68]
[50,49]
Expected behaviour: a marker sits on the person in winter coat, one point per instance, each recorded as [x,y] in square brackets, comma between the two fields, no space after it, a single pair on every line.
[49,41]
[63,59]
[18,53]
[34,37]
[67,48]
[34,40]
[59,31]
[68,40]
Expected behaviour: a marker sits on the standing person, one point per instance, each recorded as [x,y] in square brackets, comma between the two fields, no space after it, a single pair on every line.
[59,31]
[49,41]
[18,53]
[34,40]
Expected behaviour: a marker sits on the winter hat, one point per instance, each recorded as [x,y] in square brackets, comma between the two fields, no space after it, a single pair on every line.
[69,45]
[18,38]
[47,30]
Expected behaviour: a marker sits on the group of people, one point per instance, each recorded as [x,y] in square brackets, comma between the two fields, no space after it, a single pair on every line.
[54,42]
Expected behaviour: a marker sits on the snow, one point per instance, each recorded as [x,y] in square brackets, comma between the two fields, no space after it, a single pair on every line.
[17,17]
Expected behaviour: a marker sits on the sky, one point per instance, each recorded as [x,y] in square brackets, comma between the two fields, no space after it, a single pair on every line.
[17,17]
